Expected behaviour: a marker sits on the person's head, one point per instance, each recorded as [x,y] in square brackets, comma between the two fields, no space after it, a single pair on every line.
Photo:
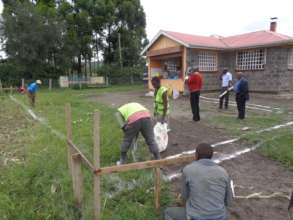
[239,75]
[39,82]
[195,69]
[204,151]
[225,70]
[156,82]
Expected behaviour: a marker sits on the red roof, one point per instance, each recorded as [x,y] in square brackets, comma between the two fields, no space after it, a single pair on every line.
[248,40]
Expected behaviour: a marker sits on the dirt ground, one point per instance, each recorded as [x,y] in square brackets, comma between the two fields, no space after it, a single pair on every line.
[251,173]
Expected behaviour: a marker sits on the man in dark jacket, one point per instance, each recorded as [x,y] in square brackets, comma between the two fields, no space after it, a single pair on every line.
[242,94]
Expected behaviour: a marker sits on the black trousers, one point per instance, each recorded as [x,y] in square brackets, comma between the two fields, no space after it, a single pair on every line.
[241,101]
[194,102]
[225,97]
[145,127]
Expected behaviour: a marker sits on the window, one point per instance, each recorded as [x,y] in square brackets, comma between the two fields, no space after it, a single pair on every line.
[251,59]
[290,59]
[208,61]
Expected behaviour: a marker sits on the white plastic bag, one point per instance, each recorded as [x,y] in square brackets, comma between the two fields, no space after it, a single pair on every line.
[161,135]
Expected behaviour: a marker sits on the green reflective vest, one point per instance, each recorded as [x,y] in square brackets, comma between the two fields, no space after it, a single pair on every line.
[130,108]
[159,104]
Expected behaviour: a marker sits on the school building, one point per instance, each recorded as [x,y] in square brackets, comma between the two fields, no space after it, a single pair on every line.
[265,57]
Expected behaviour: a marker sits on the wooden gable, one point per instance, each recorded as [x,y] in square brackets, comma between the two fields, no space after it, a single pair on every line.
[162,43]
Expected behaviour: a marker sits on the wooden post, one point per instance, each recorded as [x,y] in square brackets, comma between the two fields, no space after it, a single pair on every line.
[1,88]
[69,135]
[50,85]
[22,83]
[77,180]
[157,175]
[97,196]
[11,90]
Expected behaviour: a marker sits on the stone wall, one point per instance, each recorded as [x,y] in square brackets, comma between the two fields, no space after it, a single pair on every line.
[275,77]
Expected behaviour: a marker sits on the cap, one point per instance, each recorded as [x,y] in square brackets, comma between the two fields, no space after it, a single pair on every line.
[39,82]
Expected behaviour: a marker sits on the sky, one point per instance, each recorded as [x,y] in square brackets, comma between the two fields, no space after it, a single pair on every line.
[217,17]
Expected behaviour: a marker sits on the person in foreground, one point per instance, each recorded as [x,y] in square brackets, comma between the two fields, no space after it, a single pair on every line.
[194,83]
[242,94]
[134,118]
[32,90]
[206,189]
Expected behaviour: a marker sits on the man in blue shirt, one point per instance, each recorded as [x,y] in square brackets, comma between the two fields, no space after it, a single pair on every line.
[206,189]
[242,94]
[31,91]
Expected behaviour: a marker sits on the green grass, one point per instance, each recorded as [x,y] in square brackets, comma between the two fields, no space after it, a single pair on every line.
[26,189]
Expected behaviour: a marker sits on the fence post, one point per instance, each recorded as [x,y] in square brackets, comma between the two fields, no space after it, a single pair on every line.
[157,175]
[131,79]
[69,135]
[50,85]
[1,88]
[22,83]
[11,90]
[77,180]
[96,136]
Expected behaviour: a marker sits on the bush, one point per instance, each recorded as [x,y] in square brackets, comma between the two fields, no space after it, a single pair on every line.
[125,75]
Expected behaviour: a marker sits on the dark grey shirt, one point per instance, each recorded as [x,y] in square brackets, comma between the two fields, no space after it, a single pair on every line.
[206,189]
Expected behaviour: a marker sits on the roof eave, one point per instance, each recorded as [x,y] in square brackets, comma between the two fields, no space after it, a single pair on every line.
[159,34]
[280,43]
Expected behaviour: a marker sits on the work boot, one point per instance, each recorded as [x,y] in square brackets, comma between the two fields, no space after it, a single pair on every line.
[123,158]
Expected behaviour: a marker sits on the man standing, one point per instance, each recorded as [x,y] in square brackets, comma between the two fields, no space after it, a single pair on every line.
[195,84]
[206,189]
[31,91]
[226,79]
[242,94]
[161,102]
[134,119]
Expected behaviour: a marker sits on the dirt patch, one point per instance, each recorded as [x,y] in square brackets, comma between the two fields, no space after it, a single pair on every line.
[251,173]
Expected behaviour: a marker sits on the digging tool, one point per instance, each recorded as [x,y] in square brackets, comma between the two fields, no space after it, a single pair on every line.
[225,92]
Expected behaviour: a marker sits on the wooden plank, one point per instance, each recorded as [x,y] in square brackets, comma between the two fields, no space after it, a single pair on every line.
[163,42]
[84,159]
[143,165]
[77,180]
[157,191]
[69,134]
[97,190]
[164,51]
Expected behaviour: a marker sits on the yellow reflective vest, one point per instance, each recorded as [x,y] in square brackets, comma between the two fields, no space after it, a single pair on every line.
[159,103]
[130,108]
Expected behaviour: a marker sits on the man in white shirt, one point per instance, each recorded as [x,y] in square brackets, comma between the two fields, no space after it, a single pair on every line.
[226,79]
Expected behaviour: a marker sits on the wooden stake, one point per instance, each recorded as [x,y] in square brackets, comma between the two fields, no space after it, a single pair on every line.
[97,196]
[22,83]
[11,90]
[157,175]
[1,88]
[77,180]
[50,84]
[69,135]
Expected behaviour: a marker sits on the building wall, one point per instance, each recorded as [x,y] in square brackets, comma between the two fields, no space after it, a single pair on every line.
[274,78]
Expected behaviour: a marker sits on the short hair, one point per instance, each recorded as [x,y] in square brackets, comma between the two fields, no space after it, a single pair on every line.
[156,79]
[204,151]
[195,69]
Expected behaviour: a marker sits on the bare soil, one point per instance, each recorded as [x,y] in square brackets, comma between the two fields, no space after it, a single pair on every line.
[251,173]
